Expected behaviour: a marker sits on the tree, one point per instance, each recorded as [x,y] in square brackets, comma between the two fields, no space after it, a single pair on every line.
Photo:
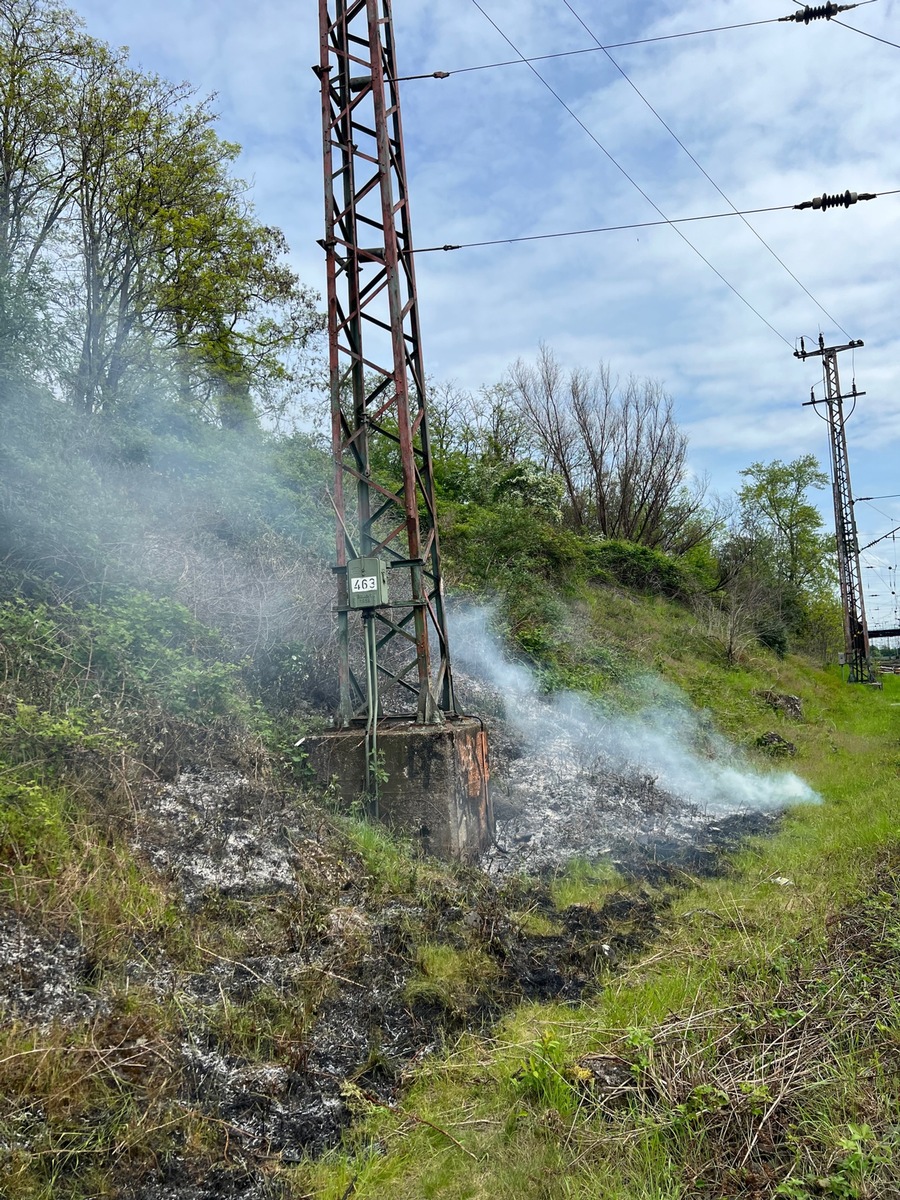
[777,561]
[781,523]
[42,52]
[124,233]
[171,252]
[618,450]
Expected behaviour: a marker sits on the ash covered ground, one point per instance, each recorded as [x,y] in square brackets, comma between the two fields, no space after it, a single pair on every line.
[657,793]
[572,778]
[558,795]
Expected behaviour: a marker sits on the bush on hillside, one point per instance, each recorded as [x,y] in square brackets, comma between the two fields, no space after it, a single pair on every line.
[640,568]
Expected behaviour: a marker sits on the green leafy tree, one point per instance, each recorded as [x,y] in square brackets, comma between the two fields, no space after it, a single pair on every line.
[784,524]
[43,51]
[172,254]
[778,561]
[125,235]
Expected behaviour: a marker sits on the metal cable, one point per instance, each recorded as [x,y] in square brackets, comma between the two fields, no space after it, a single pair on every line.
[542,237]
[633,181]
[865,33]
[630,179]
[701,168]
[515,62]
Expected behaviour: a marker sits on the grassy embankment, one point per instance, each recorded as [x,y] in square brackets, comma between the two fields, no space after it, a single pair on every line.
[752,1029]
[752,1052]
[753,1047]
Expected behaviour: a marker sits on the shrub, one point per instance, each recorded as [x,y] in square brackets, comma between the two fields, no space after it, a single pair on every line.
[639,567]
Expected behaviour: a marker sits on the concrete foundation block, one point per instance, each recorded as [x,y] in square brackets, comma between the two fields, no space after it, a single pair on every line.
[435,787]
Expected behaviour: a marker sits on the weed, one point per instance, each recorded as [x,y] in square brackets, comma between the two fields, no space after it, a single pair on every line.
[31,817]
[542,1077]
[862,1153]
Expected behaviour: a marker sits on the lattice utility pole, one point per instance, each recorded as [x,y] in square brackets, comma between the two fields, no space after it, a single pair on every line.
[856,636]
[378,407]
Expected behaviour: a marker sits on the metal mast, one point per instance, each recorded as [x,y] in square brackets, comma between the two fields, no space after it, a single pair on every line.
[379,421]
[856,636]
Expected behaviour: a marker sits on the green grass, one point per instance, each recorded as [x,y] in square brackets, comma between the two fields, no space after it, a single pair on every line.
[754,960]
[583,882]
[454,979]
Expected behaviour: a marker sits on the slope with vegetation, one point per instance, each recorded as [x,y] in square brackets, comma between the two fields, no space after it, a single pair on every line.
[214,982]
[646,1034]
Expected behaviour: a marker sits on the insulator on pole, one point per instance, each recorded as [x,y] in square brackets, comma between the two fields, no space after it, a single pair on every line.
[839,200]
[818,13]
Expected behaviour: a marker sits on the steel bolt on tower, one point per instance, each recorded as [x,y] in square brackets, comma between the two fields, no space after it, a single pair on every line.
[856,636]
[378,404]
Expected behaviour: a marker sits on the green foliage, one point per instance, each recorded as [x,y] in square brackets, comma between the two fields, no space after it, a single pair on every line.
[774,508]
[135,644]
[862,1153]
[541,1078]
[640,567]
[31,819]
[505,545]
[779,560]
[156,644]
[528,484]
[122,172]
[50,743]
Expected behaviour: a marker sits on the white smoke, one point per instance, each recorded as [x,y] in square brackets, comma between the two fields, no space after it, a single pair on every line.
[666,743]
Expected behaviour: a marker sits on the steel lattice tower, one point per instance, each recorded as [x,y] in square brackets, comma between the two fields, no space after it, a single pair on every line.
[378,405]
[856,636]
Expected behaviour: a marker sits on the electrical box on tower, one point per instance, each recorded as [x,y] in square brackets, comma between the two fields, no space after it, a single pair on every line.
[367,583]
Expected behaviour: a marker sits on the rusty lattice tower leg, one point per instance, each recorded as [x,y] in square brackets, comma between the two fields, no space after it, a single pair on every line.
[384,491]
[856,636]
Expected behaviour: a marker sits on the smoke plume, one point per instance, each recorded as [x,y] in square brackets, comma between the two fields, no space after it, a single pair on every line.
[578,776]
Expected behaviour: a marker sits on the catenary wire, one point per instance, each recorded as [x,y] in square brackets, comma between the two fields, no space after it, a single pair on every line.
[881,511]
[700,167]
[663,37]
[516,62]
[865,33]
[631,180]
[567,233]
[544,237]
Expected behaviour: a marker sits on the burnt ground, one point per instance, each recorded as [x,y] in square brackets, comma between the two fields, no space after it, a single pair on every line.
[275,1041]
[276,1045]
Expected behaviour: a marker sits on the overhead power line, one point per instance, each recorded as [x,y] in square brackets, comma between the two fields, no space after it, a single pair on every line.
[567,233]
[865,33]
[517,62]
[647,41]
[633,181]
[699,165]
[883,538]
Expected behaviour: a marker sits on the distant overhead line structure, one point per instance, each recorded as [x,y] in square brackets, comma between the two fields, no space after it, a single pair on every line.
[856,635]
[378,403]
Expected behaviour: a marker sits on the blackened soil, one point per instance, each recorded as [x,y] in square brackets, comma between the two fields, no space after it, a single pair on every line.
[180,1180]
[674,860]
